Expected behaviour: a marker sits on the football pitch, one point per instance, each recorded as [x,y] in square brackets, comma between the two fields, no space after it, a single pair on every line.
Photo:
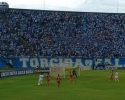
[90,85]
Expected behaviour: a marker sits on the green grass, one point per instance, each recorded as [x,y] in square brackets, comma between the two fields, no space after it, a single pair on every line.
[91,85]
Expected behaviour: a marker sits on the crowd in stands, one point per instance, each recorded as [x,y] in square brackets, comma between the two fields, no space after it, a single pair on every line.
[62,34]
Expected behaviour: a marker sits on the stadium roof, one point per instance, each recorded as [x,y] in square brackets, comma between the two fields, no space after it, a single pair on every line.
[110,6]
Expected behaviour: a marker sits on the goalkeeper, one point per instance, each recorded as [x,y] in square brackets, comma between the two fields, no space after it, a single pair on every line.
[74,72]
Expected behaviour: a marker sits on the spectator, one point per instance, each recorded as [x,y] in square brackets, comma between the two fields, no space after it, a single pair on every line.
[65,34]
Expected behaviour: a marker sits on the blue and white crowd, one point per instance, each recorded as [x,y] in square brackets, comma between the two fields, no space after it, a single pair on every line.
[61,34]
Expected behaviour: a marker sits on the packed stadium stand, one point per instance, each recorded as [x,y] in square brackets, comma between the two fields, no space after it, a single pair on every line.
[40,33]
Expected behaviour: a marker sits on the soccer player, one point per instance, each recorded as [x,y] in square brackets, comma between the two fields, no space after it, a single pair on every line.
[58,80]
[40,79]
[111,75]
[116,76]
[70,77]
[74,72]
[48,79]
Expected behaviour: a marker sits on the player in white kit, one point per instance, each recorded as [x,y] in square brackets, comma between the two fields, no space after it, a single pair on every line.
[40,79]
[116,76]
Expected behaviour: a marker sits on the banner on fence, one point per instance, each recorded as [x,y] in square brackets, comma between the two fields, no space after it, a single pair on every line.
[26,62]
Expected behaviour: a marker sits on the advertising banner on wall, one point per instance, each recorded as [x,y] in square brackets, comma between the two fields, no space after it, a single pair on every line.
[42,70]
[16,72]
[24,72]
